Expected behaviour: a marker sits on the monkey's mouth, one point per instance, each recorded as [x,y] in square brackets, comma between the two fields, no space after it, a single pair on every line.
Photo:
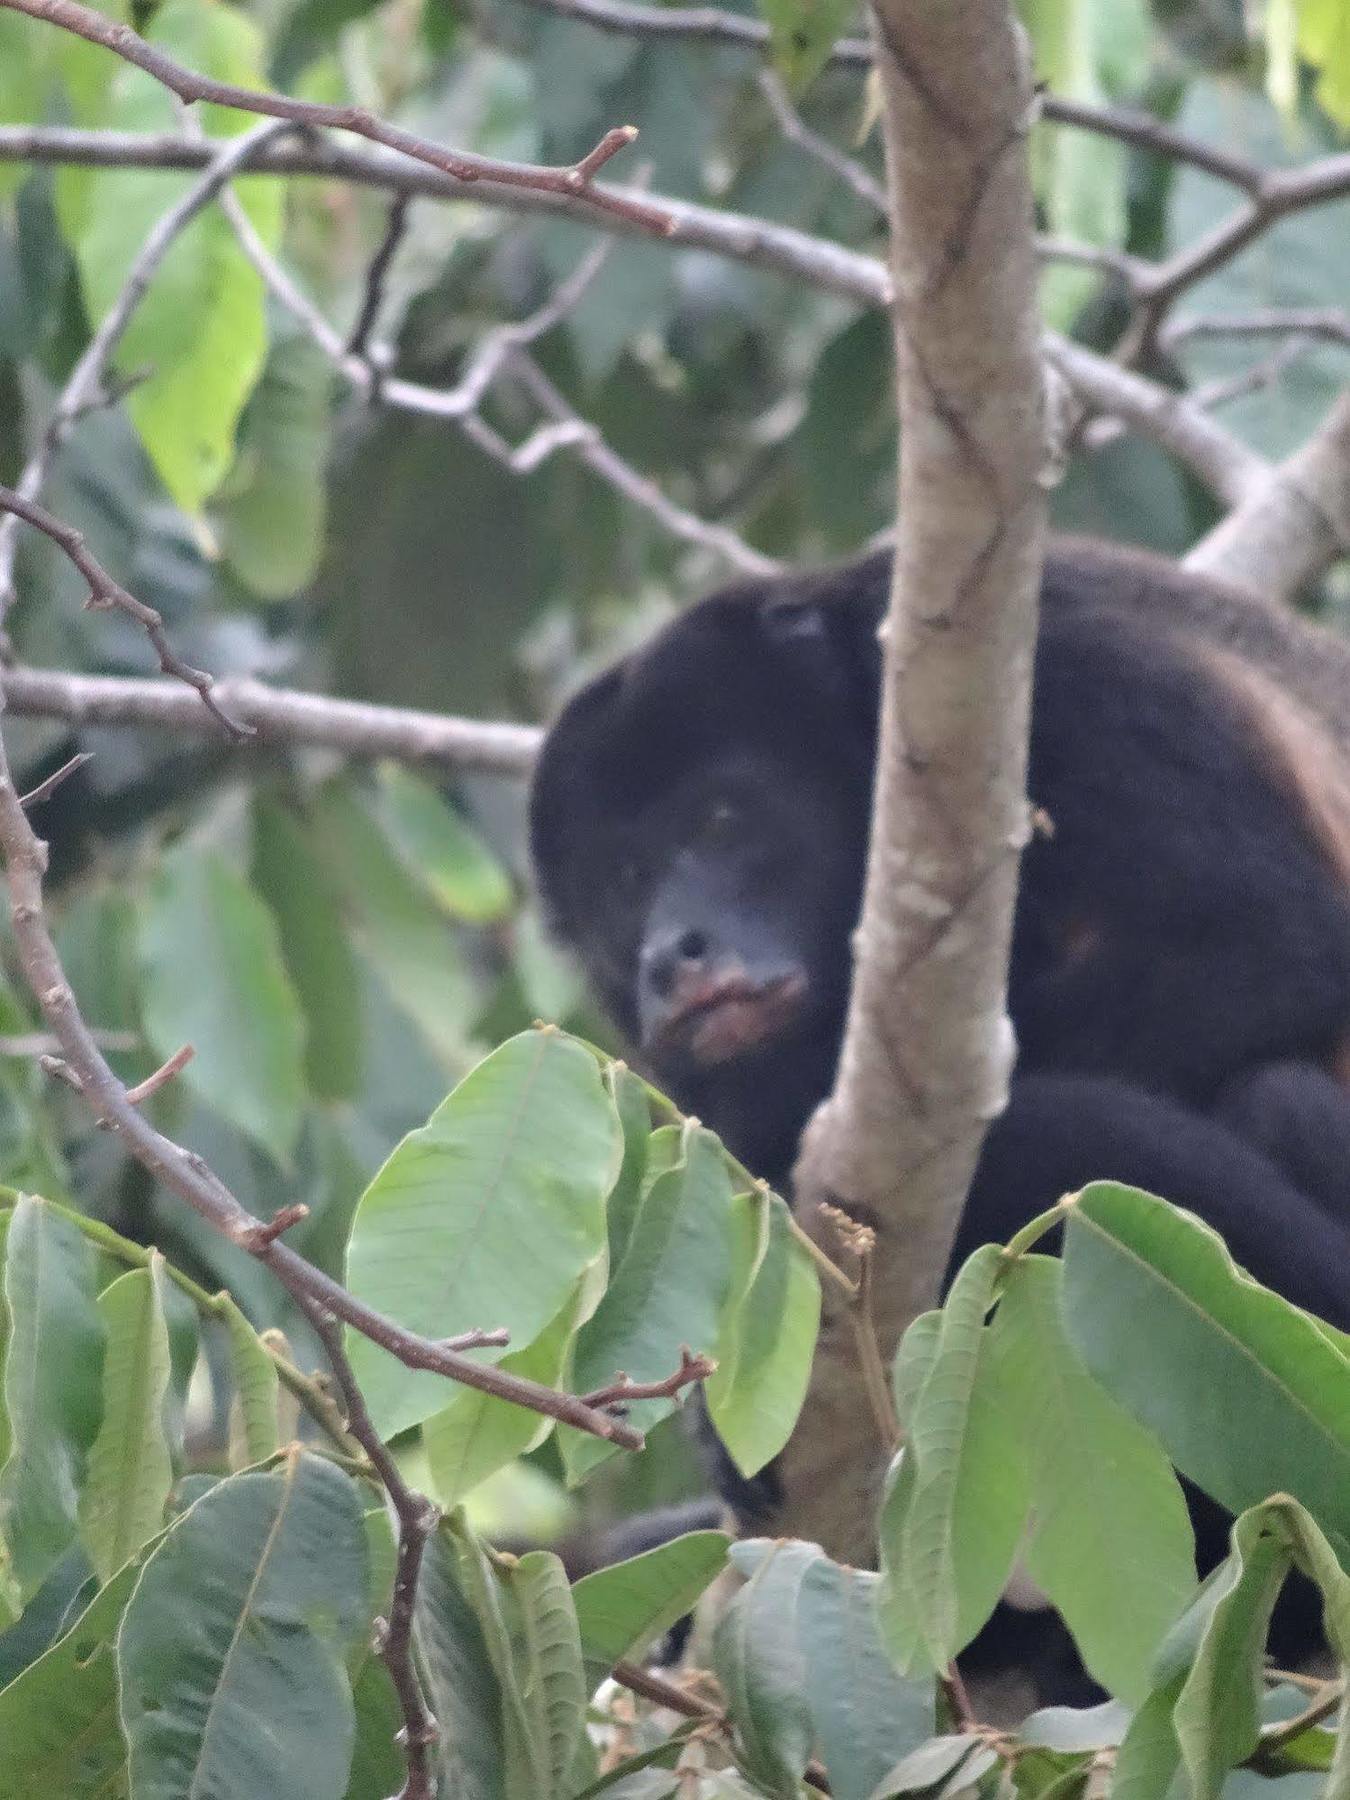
[727,1015]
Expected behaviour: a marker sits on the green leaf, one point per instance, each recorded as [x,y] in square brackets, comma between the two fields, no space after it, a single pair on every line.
[1324,41]
[756,1392]
[477,1433]
[231,1654]
[461,1674]
[58,1719]
[53,1385]
[316,947]
[200,328]
[1111,1541]
[548,1651]
[802,34]
[669,1289]
[255,1421]
[760,1662]
[925,1767]
[214,978]
[1244,1392]
[401,930]
[1218,1712]
[969,1498]
[272,519]
[633,1105]
[897,1606]
[487,1216]
[630,1604]
[130,1468]
[442,851]
[378,1767]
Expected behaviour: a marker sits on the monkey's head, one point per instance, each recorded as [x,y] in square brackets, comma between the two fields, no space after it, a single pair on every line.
[699,828]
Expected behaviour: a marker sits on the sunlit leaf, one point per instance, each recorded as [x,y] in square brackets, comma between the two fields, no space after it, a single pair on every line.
[489,1215]
[802,34]
[130,1468]
[231,1653]
[441,849]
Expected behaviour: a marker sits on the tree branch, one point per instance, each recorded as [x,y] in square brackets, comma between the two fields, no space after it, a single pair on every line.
[1291,525]
[277,716]
[190,87]
[927,1048]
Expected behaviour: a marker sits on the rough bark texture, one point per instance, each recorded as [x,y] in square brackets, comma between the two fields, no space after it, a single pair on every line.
[928,1048]
[1291,525]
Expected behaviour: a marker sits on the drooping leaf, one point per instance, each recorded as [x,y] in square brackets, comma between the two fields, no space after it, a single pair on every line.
[631,1603]
[377,1762]
[756,1393]
[549,1659]
[668,1291]
[487,1216]
[231,1654]
[214,978]
[255,1432]
[761,1665]
[1244,1392]
[130,1468]
[200,329]
[1111,1540]
[462,1678]
[52,1379]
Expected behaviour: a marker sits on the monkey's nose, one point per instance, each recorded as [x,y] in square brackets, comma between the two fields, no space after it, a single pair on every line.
[673,961]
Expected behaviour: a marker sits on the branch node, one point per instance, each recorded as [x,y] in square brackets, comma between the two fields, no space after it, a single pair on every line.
[264,1234]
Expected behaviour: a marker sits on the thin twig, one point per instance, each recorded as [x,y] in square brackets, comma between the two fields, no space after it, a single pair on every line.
[416,1519]
[86,386]
[45,789]
[164,1074]
[42,1043]
[795,129]
[576,179]
[1326,324]
[105,594]
[860,1241]
[622,1392]
[377,275]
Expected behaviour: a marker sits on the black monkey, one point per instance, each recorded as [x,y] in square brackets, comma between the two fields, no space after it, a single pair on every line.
[699,824]
[1180,978]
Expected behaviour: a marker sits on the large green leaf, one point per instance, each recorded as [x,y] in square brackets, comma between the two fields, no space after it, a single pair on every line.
[967,1493]
[487,1216]
[316,946]
[1111,1540]
[214,978]
[768,1340]
[58,1719]
[627,1605]
[669,1289]
[1245,1393]
[761,1663]
[548,1655]
[130,1468]
[53,1370]
[231,1654]
[200,330]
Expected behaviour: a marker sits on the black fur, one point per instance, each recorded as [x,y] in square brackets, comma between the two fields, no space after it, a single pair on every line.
[1180,980]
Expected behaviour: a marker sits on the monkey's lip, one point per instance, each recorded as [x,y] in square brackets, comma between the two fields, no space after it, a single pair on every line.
[726,1016]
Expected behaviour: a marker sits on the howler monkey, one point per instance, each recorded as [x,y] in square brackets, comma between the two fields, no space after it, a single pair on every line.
[1180,972]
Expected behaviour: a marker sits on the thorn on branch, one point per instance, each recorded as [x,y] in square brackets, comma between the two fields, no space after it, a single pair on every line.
[265,1233]
[161,1076]
[60,1070]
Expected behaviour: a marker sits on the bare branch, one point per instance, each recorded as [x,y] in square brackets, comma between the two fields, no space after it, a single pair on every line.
[1292,525]
[927,1047]
[1326,324]
[107,594]
[1223,462]
[416,1519]
[372,299]
[793,127]
[86,386]
[622,1391]
[276,715]
[45,789]
[464,165]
